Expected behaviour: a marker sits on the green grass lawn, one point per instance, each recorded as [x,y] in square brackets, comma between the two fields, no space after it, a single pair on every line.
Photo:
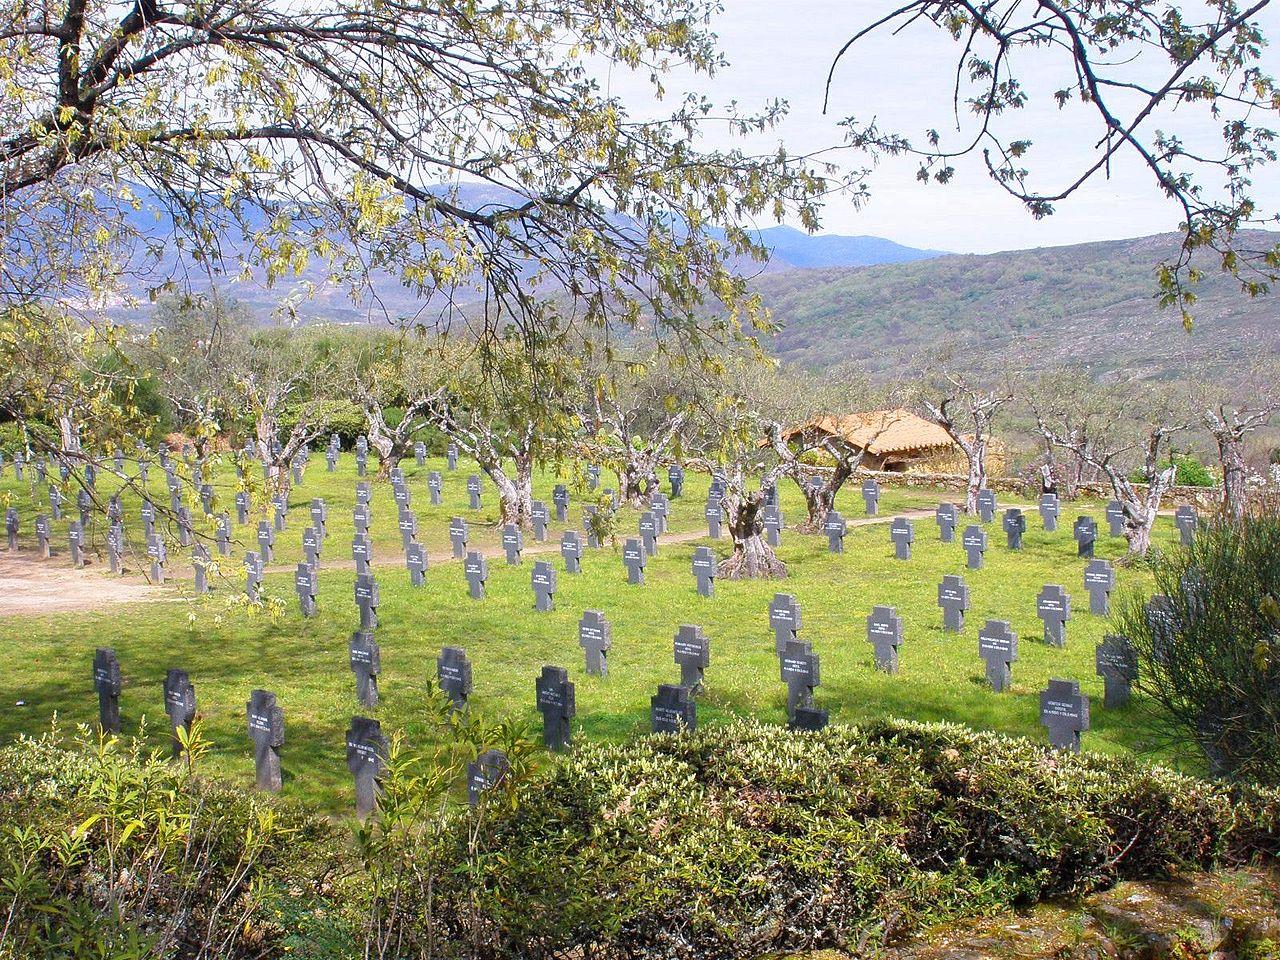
[46,661]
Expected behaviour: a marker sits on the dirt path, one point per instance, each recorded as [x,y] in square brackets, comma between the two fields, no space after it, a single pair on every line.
[29,585]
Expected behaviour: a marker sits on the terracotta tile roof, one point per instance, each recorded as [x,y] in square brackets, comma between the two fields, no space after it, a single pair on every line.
[880,432]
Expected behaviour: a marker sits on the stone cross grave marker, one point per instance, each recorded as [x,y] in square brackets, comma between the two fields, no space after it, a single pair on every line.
[55,503]
[987,505]
[672,709]
[400,494]
[871,496]
[539,516]
[595,637]
[473,490]
[714,514]
[331,459]
[692,654]
[367,598]
[556,704]
[115,547]
[1053,606]
[266,541]
[884,633]
[242,508]
[180,705]
[571,551]
[560,500]
[1049,510]
[1186,519]
[361,553]
[280,506]
[222,533]
[44,531]
[1100,580]
[1064,711]
[834,527]
[593,476]
[661,508]
[451,456]
[266,730]
[974,542]
[771,517]
[84,504]
[953,598]
[798,669]
[649,532]
[420,453]
[1085,530]
[453,673]
[705,569]
[407,522]
[11,527]
[675,476]
[158,554]
[361,517]
[588,514]
[1015,525]
[252,574]
[320,517]
[512,543]
[364,492]
[635,560]
[365,659]
[719,483]
[903,533]
[311,546]
[476,569]
[304,584]
[362,461]
[784,620]
[435,485]
[486,773]
[998,648]
[1115,517]
[1117,664]
[458,536]
[543,581]
[415,561]
[186,531]
[366,758]
[200,564]
[206,498]
[108,683]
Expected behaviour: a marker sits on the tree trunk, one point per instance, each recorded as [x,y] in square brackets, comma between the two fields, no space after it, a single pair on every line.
[821,500]
[977,479]
[1231,457]
[1140,513]
[515,495]
[752,558]
[638,478]
[67,431]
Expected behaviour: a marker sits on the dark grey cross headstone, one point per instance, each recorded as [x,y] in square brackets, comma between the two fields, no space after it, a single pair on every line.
[539,517]
[871,497]
[672,709]
[476,569]
[675,476]
[365,660]
[986,505]
[304,584]
[453,673]
[90,475]
[266,730]
[1049,510]
[556,704]
[458,537]
[180,705]
[361,516]
[18,463]
[719,484]
[798,669]
[361,553]
[435,484]
[252,575]
[1053,606]
[311,546]
[1085,530]
[400,494]
[1100,580]
[473,491]
[834,527]
[331,459]
[366,758]
[486,773]
[242,508]
[704,570]
[1064,710]
[1186,519]
[320,517]
[953,598]
[560,499]
[661,508]
[185,530]
[998,648]
[634,559]
[1115,517]
[543,581]
[692,654]
[84,503]
[367,599]
[714,515]
[649,532]
[206,498]
[362,462]
[884,632]
[784,620]
[588,513]
[407,522]
[11,527]
[1117,664]
[593,476]
[364,492]
[222,533]
[200,563]
[903,533]
[266,541]
[44,532]
[595,637]
[115,547]
[451,456]
[1015,525]
[571,551]
[974,542]
[158,553]
[420,453]
[108,683]
[771,519]
[512,543]
[415,561]
[55,504]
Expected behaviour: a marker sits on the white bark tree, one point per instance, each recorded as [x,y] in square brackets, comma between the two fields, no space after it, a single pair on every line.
[967,411]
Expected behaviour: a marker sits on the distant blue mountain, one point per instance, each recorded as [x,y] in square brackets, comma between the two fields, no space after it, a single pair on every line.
[795,248]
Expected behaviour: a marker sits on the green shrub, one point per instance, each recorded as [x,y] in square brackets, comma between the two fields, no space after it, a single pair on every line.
[1188,472]
[12,439]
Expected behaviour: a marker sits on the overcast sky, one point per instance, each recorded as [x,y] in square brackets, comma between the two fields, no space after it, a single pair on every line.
[783,48]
